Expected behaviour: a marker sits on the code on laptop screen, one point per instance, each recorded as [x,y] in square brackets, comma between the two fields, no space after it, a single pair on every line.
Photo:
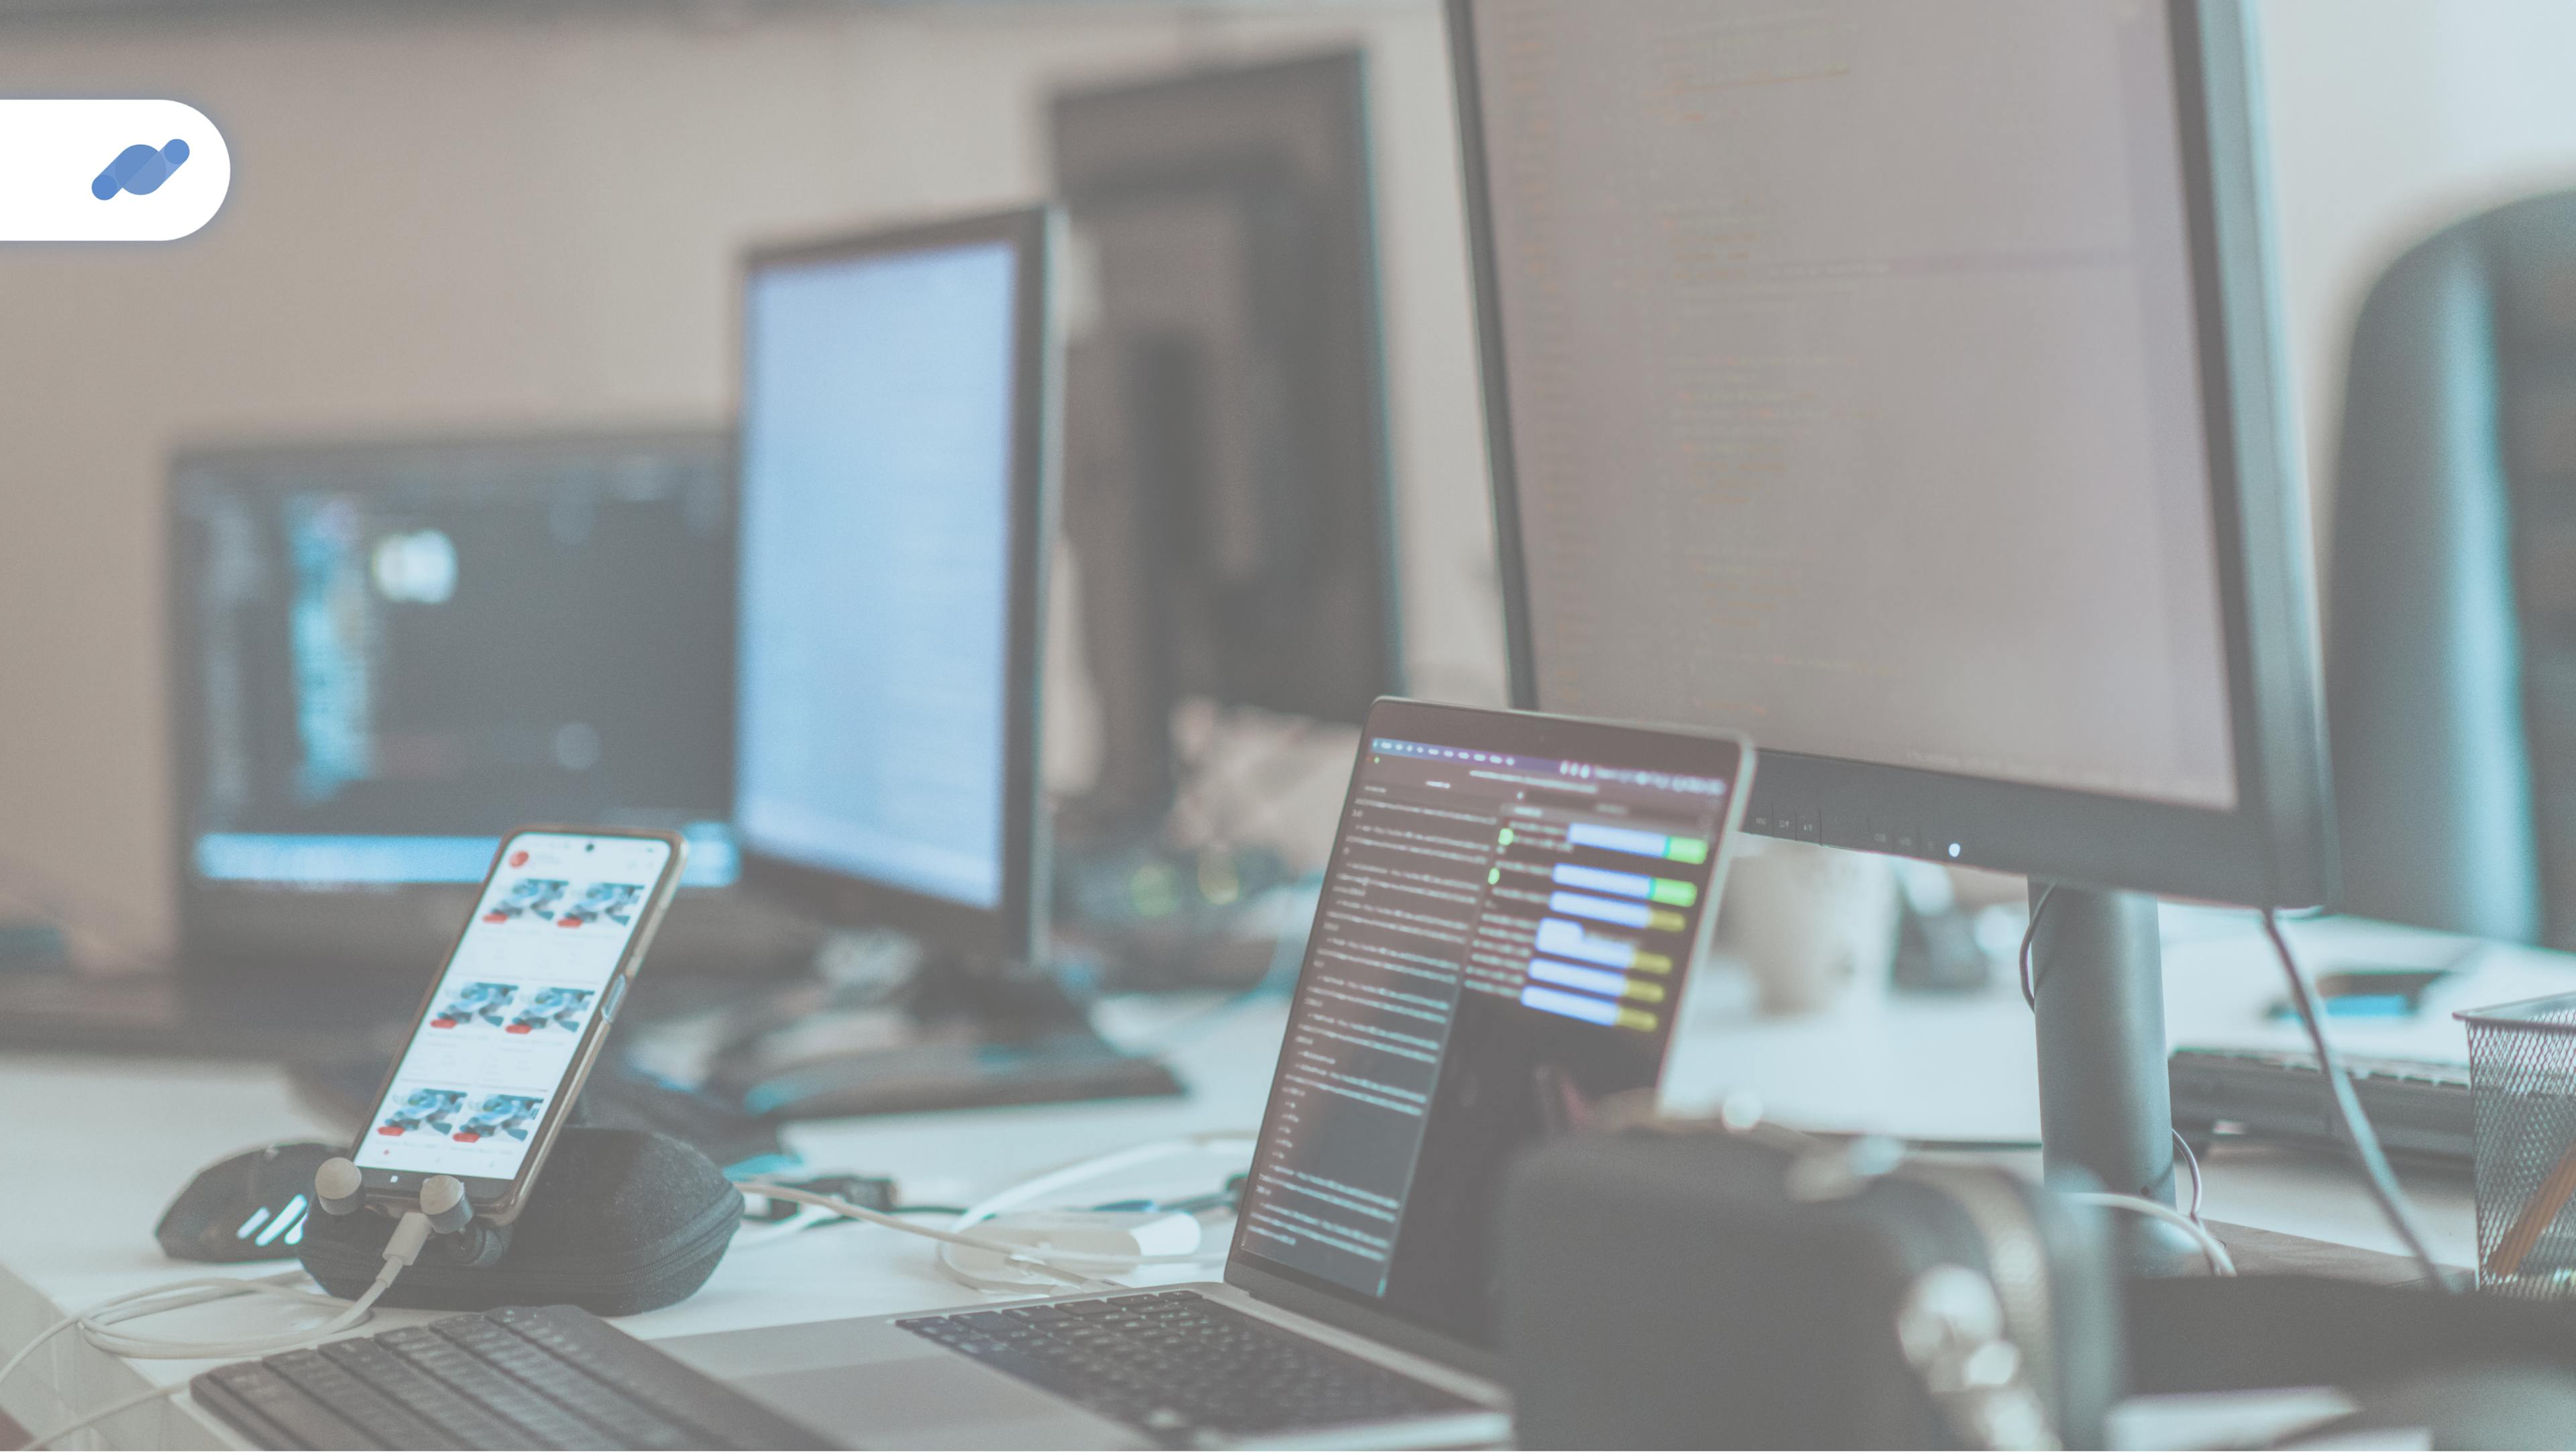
[1500,945]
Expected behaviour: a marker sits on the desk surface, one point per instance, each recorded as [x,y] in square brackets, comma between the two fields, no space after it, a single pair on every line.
[97,1147]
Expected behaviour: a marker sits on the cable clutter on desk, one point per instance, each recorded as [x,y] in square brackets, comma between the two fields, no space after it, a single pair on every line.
[444,1212]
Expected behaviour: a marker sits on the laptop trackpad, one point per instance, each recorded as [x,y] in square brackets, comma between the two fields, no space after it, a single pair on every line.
[939,1400]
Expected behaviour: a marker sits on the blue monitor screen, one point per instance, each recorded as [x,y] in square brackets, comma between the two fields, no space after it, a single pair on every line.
[394,652]
[876,555]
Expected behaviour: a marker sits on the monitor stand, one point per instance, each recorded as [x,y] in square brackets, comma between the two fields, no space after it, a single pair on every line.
[2105,1098]
[960,1037]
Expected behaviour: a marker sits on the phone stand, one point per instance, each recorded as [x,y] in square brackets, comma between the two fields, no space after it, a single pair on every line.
[621,1221]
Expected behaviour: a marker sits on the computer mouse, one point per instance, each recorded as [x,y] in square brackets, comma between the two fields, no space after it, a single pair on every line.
[251,1206]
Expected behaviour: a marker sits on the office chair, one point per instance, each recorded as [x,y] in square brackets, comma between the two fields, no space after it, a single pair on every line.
[2451,611]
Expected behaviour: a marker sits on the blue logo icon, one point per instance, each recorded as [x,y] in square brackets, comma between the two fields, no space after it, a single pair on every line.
[139,169]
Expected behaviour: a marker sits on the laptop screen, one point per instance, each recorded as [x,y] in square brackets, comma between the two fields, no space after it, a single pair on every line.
[1510,911]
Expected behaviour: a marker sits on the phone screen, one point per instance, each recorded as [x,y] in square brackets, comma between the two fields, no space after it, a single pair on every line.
[512,1008]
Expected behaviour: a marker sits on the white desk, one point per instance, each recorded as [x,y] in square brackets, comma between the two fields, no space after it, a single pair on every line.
[94,1148]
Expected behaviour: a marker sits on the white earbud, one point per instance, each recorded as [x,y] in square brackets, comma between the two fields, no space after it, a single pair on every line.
[338,1186]
[442,1199]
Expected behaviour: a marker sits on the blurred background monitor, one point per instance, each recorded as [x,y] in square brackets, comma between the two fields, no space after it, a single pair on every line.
[895,501]
[389,653]
[898,496]
[1226,472]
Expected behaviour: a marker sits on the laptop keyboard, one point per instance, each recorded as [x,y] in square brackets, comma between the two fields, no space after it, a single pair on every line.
[1182,1368]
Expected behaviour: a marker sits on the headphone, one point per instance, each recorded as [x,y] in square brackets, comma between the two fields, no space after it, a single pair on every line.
[463,1241]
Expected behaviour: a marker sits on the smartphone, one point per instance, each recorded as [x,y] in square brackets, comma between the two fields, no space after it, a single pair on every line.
[514,1019]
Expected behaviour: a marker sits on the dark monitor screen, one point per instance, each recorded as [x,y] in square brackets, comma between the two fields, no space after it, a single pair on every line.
[1895,384]
[1226,456]
[891,502]
[390,654]
[1510,913]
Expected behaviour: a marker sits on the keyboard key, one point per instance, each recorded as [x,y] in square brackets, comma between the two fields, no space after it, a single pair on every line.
[327,1382]
[1180,1367]
[521,1377]
[464,1423]
[276,1400]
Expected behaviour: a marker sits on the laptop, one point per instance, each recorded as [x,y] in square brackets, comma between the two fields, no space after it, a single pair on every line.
[1512,906]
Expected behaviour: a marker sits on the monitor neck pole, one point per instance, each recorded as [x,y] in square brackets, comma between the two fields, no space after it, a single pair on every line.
[2105,1102]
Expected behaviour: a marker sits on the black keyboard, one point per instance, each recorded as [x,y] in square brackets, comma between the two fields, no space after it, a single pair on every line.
[2417,1107]
[527,1376]
[1183,1369]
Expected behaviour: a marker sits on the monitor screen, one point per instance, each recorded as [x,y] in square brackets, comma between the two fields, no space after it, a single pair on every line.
[878,457]
[1504,933]
[395,653]
[1882,318]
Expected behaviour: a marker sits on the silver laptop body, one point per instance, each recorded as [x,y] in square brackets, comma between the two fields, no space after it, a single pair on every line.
[1571,848]
[866,1381]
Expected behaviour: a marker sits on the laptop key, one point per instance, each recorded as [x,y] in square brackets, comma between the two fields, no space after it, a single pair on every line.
[1181,1369]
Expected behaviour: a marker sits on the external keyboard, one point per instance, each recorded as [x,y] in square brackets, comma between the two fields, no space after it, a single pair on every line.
[1183,1369]
[2418,1107]
[527,1376]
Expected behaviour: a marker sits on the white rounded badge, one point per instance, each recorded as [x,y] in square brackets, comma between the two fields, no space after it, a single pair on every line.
[108,171]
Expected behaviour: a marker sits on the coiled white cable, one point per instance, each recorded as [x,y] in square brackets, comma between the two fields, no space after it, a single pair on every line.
[1078,1269]
[1061,1264]
[97,1322]
[400,1252]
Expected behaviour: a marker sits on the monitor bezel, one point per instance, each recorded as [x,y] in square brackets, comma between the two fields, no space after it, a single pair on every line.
[237,931]
[1681,750]
[1007,934]
[2274,847]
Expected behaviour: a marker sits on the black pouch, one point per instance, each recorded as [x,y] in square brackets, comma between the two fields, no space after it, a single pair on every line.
[622,1221]
[1764,1289]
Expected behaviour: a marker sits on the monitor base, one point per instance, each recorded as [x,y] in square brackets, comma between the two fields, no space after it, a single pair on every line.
[1155,917]
[957,1040]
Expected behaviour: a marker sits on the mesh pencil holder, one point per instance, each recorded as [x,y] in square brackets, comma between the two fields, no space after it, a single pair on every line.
[2522,1088]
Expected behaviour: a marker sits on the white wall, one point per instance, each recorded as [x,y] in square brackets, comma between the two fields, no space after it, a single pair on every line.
[2390,119]
[494,220]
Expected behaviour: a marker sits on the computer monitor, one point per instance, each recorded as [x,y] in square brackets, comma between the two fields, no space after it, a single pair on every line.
[1226,465]
[1898,384]
[388,653]
[897,499]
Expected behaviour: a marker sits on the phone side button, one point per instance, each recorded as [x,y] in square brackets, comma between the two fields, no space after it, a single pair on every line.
[616,996]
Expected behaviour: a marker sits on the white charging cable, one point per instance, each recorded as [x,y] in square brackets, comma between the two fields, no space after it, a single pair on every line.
[98,1322]
[1082,1270]
[2220,1262]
